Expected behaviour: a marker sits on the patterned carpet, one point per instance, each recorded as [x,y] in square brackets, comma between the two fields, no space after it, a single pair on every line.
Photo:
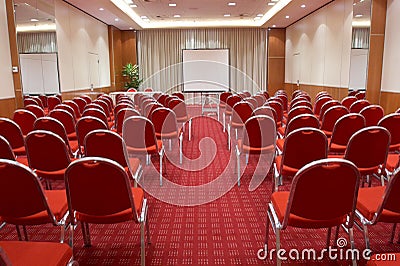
[227,231]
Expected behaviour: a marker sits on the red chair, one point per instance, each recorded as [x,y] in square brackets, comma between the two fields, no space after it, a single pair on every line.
[301,147]
[278,110]
[12,132]
[121,116]
[326,106]
[319,103]
[353,93]
[372,114]
[53,101]
[74,106]
[348,101]
[67,120]
[81,103]
[25,120]
[105,107]
[392,123]
[293,113]
[94,106]
[99,192]
[251,101]
[300,121]
[379,204]
[148,90]
[266,94]
[84,126]
[150,107]
[360,95]
[96,113]
[87,98]
[358,105]
[241,112]
[260,98]
[344,128]
[132,90]
[108,144]
[55,126]
[368,150]
[180,95]
[230,102]
[35,253]
[284,99]
[24,202]
[36,110]
[67,108]
[268,111]
[330,117]
[47,154]
[120,106]
[166,127]
[140,138]
[302,103]
[259,137]
[6,152]
[323,195]
[182,116]
[30,101]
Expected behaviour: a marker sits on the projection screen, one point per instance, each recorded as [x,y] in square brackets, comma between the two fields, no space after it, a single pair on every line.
[206,70]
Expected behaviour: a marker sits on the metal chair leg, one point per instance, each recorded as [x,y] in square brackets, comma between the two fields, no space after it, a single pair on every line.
[366,238]
[352,245]
[142,245]
[393,233]
[18,233]
[278,245]
[328,238]
[25,233]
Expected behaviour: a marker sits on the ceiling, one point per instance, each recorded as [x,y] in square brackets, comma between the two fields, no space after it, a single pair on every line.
[195,13]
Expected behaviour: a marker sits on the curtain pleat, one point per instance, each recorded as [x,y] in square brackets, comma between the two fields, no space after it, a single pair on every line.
[360,38]
[160,52]
[36,42]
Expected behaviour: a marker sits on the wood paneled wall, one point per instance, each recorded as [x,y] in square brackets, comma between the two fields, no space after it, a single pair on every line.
[7,107]
[335,92]
[122,45]
[377,44]
[69,95]
[390,101]
[276,59]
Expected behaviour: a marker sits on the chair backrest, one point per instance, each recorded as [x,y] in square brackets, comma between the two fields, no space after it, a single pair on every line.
[260,98]
[358,105]
[390,200]
[331,116]
[302,103]
[74,106]
[241,112]
[36,110]
[139,134]
[123,105]
[65,118]
[277,106]
[93,112]
[104,105]
[319,103]
[298,111]
[46,151]
[303,146]
[132,90]
[53,101]
[30,101]
[372,114]
[266,94]
[252,101]
[300,121]
[21,193]
[85,125]
[348,101]
[52,125]
[86,98]
[266,110]
[150,107]
[180,95]
[345,127]
[98,187]
[353,93]
[368,147]
[325,191]
[145,102]
[24,119]
[360,95]
[6,151]
[94,105]
[67,108]
[284,99]
[326,106]
[81,103]
[106,144]
[161,99]
[179,107]
[12,132]
[392,123]
[231,101]
[164,121]
[122,115]
[260,134]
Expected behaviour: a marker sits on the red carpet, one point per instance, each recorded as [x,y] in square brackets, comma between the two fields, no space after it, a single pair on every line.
[227,231]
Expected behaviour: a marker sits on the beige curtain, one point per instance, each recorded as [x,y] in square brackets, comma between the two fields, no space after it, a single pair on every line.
[160,52]
[360,38]
[36,42]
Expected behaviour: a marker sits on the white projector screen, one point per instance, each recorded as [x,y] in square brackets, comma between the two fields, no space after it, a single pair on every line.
[206,70]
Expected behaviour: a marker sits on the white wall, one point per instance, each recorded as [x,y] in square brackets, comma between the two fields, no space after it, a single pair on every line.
[7,84]
[391,56]
[318,47]
[78,37]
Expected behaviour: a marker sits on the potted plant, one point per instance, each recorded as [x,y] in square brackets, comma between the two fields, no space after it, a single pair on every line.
[131,74]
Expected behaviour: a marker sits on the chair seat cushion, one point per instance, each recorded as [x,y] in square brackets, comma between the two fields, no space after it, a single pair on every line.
[286,170]
[337,148]
[72,136]
[21,253]
[19,151]
[23,160]
[255,150]
[280,200]
[328,133]
[392,162]
[148,150]
[281,130]
[170,135]
[368,202]
[280,143]
[57,200]
[123,216]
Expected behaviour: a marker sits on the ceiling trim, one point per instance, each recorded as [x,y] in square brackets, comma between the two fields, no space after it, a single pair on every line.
[65,1]
[310,13]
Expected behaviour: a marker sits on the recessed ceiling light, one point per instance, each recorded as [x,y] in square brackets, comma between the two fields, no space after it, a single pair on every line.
[231,4]
[117,19]
[227,15]
[34,20]
[287,17]
[354,4]
[273,26]
[143,17]
[303,6]
[271,4]
[177,16]
[101,9]
[260,15]
[130,28]
[171,4]
[274,0]
[128,1]
[133,5]
[257,18]
[358,16]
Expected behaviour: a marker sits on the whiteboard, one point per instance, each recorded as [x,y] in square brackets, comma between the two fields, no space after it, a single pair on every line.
[206,70]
